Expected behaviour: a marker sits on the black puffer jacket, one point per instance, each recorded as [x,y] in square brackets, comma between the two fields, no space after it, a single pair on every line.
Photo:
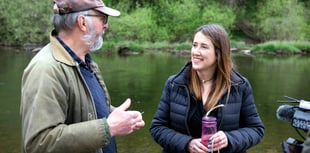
[239,118]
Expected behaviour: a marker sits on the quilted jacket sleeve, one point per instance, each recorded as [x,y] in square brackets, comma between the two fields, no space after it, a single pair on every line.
[163,134]
[249,129]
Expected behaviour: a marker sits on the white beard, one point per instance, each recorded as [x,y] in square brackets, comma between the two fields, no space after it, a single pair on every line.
[97,45]
[94,43]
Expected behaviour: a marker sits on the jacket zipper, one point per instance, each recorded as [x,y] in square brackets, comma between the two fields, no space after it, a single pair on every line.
[186,115]
[92,99]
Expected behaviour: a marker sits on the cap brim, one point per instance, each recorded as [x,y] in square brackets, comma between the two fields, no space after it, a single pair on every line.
[108,11]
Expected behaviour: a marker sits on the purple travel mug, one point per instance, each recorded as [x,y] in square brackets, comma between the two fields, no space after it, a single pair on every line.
[208,128]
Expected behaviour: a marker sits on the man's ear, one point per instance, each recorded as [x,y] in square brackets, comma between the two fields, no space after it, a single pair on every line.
[81,23]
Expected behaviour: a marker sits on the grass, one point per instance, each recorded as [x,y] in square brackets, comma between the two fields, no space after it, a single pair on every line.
[114,45]
[282,47]
[272,47]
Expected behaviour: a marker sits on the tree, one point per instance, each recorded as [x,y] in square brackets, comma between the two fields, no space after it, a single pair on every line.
[282,20]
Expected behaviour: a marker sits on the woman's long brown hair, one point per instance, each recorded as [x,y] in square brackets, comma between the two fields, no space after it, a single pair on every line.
[219,37]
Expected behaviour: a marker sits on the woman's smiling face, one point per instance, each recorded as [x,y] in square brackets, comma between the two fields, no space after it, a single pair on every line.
[202,53]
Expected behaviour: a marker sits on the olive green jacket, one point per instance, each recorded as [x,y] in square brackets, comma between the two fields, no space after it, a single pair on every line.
[57,109]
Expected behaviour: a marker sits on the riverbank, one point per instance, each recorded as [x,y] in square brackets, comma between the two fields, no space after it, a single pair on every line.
[183,49]
[270,48]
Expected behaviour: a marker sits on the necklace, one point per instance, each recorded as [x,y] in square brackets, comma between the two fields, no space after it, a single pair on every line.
[204,81]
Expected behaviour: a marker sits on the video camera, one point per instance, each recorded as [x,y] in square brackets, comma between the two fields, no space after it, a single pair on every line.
[298,115]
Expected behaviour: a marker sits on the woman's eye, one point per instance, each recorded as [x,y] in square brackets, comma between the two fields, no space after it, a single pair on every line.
[205,47]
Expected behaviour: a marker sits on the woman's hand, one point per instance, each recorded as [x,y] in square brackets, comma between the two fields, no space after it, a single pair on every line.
[195,146]
[218,141]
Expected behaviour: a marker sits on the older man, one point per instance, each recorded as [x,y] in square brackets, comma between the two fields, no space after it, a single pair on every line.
[65,106]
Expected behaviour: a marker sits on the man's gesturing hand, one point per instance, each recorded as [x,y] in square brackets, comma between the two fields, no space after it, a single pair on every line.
[123,122]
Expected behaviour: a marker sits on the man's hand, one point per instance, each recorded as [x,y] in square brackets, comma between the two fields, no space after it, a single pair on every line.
[123,122]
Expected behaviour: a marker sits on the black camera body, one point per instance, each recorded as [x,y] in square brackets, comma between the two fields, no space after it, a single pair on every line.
[299,117]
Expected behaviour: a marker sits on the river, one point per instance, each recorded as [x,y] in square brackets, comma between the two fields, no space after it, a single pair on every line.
[141,78]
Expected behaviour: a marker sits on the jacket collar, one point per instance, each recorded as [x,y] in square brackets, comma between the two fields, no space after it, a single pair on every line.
[236,78]
[183,75]
[59,52]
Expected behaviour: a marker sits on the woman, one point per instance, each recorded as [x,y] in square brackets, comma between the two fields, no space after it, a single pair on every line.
[206,81]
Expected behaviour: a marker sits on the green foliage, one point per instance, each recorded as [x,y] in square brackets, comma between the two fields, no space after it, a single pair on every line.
[239,44]
[116,45]
[181,18]
[142,46]
[216,13]
[109,46]
[183,46]
[128,5]
[24,21]
[158,45]
[135,47]
[282,20]
[171,21]
[284,47]
[135,26]
[303,46]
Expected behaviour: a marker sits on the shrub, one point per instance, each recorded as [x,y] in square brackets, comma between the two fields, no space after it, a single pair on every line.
[25,21]
[134,26]
[184,19]
[282,20]
[181,18]
[284,47]
[217,13]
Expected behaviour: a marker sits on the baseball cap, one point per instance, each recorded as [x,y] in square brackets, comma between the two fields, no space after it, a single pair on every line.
[71,6]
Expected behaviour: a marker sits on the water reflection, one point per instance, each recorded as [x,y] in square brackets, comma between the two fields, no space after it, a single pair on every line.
[142,78]
[271,79]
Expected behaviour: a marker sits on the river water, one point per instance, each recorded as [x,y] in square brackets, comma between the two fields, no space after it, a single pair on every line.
[141,78]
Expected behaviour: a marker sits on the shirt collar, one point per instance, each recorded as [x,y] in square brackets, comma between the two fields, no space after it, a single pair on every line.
[74,56]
